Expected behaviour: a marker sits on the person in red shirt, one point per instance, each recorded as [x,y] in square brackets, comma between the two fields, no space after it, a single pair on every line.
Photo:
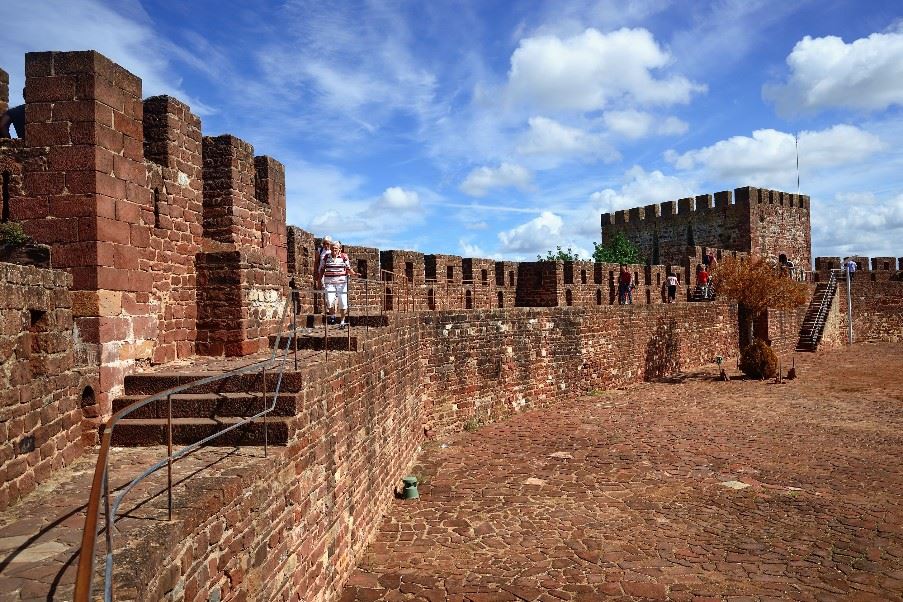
[625,287]
[702,281]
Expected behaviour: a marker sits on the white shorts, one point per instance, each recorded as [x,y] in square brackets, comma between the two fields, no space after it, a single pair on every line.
[336,291]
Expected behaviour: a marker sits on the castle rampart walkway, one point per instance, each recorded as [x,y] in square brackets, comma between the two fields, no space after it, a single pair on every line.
[687,490]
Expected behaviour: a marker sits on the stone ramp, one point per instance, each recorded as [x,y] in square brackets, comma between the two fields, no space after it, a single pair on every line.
[40,536]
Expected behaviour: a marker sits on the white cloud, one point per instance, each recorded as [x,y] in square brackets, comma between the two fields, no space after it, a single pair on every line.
[639,188]
[124,34]
[399,199]
[858,224]
[537,235]
[507,175]
[631,123]
[827,72]
[588,71]
[551,138]
[768,158]
[470,250]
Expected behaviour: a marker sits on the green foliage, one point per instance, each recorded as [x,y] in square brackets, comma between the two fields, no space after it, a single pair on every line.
[617,250]
[559,255]
[758,360]
[12,233]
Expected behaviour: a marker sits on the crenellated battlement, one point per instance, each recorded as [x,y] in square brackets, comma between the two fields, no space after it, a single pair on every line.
[742,198]
[748,219]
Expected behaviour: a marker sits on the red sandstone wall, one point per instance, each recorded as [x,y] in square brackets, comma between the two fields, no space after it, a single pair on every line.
[877,310]
[486,364]
[41,383]
[172,147]
[296,531]
[750,220]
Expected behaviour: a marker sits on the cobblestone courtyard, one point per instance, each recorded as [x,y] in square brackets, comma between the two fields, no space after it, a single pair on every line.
[693,489]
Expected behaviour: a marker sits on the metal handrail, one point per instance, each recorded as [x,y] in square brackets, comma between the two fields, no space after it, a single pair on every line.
[100,484]
[823,305]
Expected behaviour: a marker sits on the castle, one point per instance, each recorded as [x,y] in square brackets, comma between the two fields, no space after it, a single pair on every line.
[171,246]
[768,223]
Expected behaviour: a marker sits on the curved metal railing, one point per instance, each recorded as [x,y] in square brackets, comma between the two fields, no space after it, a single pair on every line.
[100,485]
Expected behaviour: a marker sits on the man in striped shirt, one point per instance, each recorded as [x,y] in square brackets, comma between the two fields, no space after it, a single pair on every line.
[334,270]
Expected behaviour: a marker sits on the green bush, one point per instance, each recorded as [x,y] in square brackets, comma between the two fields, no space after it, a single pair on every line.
[12,233]
[758,360]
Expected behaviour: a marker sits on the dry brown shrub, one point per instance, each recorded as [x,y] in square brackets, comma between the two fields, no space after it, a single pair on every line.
[758,360]
[757,286]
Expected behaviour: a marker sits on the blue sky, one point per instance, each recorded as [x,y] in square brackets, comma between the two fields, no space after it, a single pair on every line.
[501,129]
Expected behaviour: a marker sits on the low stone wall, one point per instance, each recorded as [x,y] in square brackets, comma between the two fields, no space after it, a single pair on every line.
[782,327]
[877,310]
[40,383]
[295,530]
[483,365]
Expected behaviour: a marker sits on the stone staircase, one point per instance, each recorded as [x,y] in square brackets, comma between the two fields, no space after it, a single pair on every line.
[814,322]
[204,410]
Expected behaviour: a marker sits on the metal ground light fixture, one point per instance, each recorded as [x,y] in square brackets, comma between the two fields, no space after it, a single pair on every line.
[410,488]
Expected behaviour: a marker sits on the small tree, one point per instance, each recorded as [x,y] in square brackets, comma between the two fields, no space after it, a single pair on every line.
[757,287]
[617,250]
[559,255]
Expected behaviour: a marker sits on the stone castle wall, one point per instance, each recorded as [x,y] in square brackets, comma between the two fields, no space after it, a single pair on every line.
[44,387]
[301,524]
[768,223]
[130,196]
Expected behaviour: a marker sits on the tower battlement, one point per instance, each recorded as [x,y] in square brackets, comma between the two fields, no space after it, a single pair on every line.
[750,220]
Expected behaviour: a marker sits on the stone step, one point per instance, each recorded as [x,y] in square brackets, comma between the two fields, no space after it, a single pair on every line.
[134,432]
[338,340]
[150,383]
[317,321]
[206,405]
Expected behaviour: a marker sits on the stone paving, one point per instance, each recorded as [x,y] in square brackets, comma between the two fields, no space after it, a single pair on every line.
[692,489]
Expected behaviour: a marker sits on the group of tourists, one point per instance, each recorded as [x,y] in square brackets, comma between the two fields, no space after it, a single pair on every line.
[333,270]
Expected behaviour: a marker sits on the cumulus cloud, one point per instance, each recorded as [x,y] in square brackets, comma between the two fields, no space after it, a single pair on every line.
[470,250]
[550,138]
[535,236]
[827,72]
[588,71]
[858,224]
[507,175]
[768,158]
[640,187]
[123,32]
[631,123]
[398,199]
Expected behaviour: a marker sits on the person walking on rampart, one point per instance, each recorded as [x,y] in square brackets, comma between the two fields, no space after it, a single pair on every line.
[851,267]
[334,273]
[672,287]
[702,281]
[14,116]
[625,286]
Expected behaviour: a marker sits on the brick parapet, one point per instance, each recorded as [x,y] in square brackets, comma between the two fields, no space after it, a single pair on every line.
[41,379]
[270,192]
[478,280]
[174,173]
[241,296]
[232,213]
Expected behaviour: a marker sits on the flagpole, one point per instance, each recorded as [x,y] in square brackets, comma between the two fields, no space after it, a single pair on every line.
[796,138]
